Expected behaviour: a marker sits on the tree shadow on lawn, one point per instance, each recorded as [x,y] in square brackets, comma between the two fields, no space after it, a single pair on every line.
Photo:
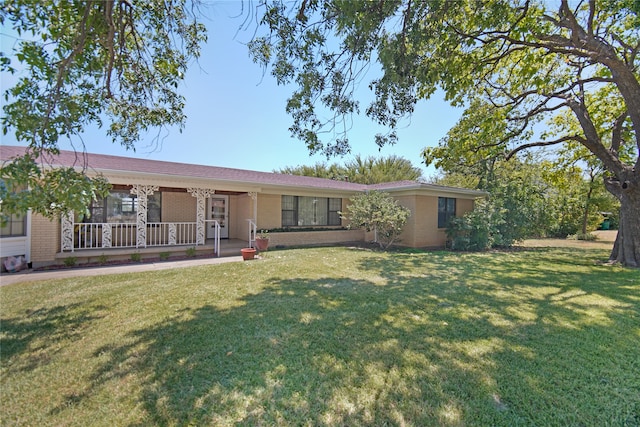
[569,327]
[30,341]
[425,349]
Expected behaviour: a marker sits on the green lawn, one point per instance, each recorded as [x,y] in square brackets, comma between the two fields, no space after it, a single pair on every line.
[330,336]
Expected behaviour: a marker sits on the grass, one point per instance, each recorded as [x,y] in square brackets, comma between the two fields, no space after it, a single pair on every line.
[330,336]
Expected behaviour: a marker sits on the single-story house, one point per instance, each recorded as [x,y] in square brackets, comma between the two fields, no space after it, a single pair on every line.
[159,207]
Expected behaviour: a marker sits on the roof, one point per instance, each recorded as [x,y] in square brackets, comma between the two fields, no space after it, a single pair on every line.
[101,163]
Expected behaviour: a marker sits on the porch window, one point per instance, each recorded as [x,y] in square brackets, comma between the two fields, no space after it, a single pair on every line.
[446,211]
[14,225]
[121,206]
[309,211]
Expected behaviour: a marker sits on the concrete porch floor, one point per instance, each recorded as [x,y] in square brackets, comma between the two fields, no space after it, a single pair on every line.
[228,247]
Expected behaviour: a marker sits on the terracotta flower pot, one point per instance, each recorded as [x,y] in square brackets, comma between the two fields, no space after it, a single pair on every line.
[262,244]
[248,253]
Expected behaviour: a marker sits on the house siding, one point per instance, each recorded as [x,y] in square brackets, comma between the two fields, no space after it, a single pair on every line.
[309,238]
[408,235]
[422,226]
[240,210]
[427,232]
[45,240]
[178,207]
[269,211]
[13,246]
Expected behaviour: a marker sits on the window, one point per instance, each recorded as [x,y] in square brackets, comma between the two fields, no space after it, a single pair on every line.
[446,211]
[14,225]
[309,211]
[120,206]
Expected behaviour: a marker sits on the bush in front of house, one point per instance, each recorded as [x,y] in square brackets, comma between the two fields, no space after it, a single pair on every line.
[477,230]
[378,211]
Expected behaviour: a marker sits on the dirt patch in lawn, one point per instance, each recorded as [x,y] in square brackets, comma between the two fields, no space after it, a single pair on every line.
[604,241]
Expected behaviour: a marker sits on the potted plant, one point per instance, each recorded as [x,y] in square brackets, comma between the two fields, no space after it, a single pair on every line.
[248,253]
[262,240]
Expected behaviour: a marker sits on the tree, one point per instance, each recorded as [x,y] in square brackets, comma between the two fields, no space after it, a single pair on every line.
[519,205]
[379,212]
[525,60]
[368,170]
[385,169]
[534,197]
[319,170]
[110,61]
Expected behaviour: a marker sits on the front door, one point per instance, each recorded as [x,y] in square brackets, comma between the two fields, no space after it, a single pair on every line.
[219,211]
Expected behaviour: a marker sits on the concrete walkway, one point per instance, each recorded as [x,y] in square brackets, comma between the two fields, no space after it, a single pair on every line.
[31,276]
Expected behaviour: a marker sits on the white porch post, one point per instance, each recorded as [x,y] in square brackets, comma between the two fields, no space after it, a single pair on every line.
[106,235]
[28,235]
[254,198]
[143,192]
[253,223]
[67,231]
[201,195]
[172,234]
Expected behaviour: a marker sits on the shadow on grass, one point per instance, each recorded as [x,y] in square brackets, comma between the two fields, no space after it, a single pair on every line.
[36,334]
[492,342]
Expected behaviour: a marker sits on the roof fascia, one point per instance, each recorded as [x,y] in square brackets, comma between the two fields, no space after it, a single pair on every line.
[428,190]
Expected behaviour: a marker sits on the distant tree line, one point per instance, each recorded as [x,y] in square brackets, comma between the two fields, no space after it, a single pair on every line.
[363,170]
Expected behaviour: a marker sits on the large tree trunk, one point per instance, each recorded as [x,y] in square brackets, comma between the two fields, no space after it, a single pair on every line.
[626,249]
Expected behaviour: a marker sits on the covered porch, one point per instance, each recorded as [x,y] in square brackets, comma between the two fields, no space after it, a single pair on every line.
[149,219]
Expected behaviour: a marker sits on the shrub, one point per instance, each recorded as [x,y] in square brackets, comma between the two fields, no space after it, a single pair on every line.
[191,252]
[136,257]
[378,211]
[71,261]
[477,230]
[583,236]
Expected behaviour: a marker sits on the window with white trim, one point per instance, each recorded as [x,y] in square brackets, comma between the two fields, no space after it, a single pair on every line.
[304,211]
[14,225]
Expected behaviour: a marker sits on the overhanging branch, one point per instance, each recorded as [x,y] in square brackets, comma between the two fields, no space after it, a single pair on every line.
[544,144]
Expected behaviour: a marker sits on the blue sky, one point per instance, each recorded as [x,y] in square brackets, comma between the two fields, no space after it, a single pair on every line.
[236,115]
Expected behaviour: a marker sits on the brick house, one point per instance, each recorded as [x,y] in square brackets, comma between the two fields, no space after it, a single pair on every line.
[164,207]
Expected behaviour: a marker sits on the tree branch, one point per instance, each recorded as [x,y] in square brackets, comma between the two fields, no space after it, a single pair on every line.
[111,32]
[616,134]
[543,144]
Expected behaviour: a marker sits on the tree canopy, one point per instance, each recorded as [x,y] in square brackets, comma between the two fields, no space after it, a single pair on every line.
[117,63]
[515,65]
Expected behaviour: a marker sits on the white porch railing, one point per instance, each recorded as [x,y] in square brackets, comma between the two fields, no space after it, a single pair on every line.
[253,230]
[104,235]
[216,235]
[124,235]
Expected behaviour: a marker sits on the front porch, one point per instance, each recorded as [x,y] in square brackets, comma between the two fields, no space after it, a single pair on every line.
[185,221]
